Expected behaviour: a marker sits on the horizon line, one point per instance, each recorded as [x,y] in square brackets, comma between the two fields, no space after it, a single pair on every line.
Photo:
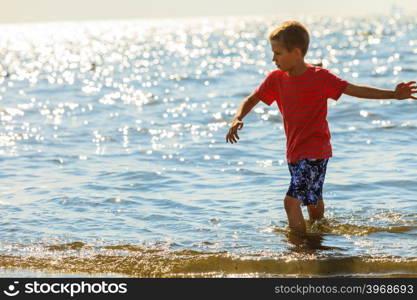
[191,17]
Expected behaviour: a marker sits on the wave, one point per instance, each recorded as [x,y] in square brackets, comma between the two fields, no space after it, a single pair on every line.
[134,261]
[334,226]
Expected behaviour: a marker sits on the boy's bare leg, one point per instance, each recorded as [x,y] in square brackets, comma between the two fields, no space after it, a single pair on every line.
[316,212]
[295,215]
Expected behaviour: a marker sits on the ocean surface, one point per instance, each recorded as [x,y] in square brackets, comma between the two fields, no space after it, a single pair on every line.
[114,160]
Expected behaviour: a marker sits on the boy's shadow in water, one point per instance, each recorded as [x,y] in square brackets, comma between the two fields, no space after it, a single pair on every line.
[309,242]
[306,242]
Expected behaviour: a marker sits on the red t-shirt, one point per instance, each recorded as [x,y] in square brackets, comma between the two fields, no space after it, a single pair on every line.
[302,101]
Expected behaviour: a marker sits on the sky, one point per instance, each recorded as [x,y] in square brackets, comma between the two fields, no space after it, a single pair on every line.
[17,11]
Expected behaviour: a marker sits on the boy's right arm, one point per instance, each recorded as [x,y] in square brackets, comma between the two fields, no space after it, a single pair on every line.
[237,123]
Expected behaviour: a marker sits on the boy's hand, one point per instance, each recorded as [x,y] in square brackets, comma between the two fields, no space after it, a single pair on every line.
[232,135]
[405,90]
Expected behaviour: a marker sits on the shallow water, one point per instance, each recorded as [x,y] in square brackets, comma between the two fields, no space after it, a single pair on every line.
[114,158]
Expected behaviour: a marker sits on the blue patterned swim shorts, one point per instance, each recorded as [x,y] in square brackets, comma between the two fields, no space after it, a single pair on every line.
[307,178]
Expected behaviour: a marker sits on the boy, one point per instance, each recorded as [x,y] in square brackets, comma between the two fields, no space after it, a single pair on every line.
[301,92]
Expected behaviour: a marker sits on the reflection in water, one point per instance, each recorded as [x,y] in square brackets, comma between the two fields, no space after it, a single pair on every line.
[308,242]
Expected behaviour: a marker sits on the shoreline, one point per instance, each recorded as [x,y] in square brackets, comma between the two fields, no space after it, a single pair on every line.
[32,273]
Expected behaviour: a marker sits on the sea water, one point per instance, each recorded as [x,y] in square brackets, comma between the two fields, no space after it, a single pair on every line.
[114,159]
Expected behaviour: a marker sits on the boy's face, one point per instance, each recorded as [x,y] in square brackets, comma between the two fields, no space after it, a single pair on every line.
[284,59]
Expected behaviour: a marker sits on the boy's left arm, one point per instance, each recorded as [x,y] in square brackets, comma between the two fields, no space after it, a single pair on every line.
[404,90]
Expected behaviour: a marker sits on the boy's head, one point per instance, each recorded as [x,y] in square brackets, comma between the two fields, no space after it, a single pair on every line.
[289,42]
[291,34]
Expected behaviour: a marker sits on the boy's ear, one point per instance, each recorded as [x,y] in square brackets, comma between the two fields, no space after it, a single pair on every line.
[299,52]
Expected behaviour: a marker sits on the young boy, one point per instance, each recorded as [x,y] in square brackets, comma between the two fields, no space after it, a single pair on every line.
[301,92]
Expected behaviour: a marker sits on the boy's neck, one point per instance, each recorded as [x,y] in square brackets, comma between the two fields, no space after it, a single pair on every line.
[298,69]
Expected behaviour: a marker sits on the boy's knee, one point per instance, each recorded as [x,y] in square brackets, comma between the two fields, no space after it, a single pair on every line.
[291,202]
[315,211]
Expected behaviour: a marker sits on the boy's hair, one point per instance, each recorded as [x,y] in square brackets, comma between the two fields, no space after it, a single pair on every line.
[291,34]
